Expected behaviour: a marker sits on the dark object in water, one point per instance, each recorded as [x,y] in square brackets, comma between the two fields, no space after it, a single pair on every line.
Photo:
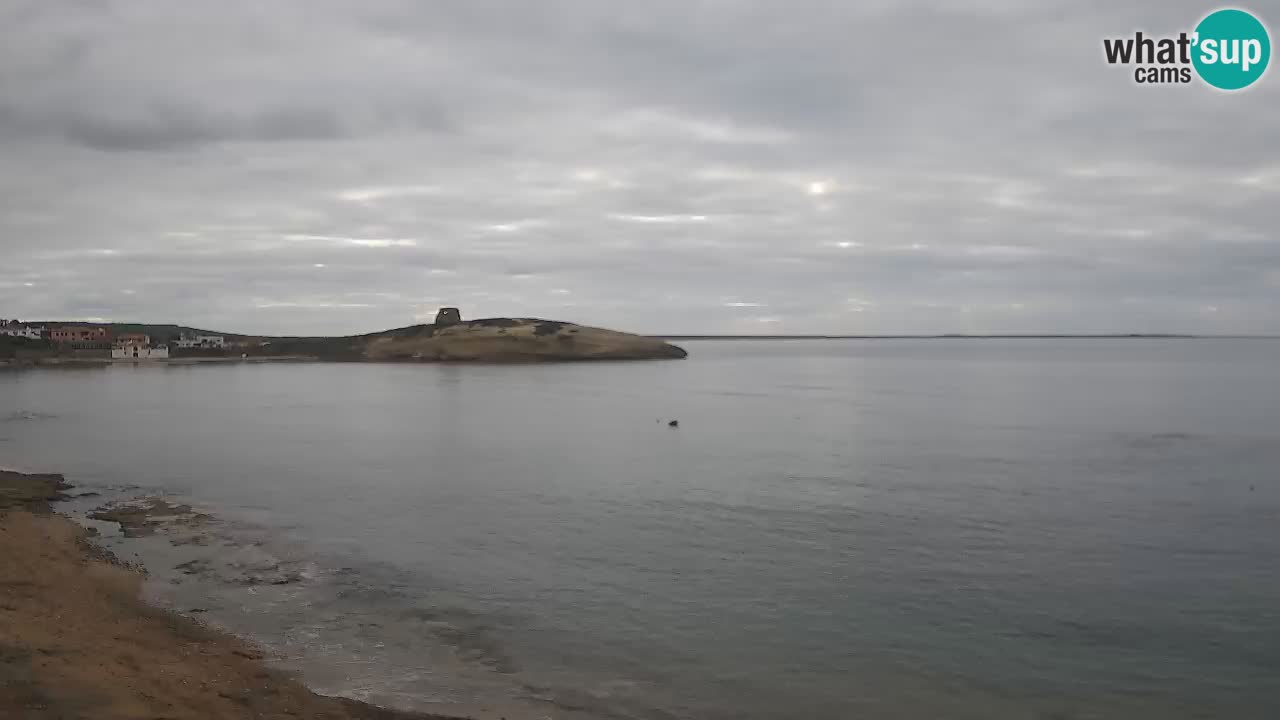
[674,423]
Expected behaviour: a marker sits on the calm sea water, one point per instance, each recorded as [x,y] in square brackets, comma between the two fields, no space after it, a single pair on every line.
[836,529]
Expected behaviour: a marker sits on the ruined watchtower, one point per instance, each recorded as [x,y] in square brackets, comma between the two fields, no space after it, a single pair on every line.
[448,316]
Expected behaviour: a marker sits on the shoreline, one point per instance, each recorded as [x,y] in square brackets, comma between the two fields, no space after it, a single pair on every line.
[81,642]
[105,362]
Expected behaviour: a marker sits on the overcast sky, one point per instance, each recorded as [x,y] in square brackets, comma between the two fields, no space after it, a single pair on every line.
[658,166]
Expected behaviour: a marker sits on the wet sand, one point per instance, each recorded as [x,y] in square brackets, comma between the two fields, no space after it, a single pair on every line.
[76,640]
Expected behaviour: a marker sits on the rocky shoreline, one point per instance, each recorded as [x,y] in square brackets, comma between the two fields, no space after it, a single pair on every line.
[79,642]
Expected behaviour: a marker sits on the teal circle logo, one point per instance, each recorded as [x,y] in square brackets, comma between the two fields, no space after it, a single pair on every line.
[1232,49]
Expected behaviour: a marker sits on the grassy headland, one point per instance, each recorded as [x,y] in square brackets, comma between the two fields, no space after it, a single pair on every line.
[486,340]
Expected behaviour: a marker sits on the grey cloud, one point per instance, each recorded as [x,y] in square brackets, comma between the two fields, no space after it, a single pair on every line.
[171,127]
[672,167]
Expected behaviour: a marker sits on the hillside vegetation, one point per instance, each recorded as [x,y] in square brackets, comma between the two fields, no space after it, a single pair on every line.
[487,340]
[514,339]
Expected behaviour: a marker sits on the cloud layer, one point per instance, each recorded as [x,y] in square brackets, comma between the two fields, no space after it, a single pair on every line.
[670,166]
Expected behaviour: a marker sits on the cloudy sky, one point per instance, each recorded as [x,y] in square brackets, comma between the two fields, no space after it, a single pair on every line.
[661,166]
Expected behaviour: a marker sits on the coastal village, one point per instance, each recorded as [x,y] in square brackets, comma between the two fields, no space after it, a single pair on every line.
[447,339]
[101,342]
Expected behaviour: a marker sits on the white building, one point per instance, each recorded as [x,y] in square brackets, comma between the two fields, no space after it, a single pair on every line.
[17,329]
[140,352]
[202,341]
[137,346]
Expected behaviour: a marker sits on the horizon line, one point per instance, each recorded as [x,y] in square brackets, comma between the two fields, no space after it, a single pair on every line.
[787,336]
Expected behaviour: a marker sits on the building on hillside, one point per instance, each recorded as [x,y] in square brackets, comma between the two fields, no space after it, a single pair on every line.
[204,342]
[448,316]
[81,336]
[140,352]
[133,339]
[137,346]
[13,328]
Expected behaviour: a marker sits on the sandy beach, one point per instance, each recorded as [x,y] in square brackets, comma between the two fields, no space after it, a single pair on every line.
[78,642]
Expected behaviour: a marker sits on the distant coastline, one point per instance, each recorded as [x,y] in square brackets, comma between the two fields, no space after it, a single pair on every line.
[448,339]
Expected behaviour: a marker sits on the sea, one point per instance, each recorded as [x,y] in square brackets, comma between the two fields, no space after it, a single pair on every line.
[1053,529]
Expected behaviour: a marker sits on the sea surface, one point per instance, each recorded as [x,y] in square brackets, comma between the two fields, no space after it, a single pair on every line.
[953,528]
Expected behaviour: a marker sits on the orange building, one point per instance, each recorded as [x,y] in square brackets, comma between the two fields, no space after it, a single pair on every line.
[133,339]
[80,336]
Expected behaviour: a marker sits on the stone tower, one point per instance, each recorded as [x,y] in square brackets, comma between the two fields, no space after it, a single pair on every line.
[448,316]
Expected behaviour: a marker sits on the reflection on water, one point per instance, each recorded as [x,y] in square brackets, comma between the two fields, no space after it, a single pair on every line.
[886,529]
